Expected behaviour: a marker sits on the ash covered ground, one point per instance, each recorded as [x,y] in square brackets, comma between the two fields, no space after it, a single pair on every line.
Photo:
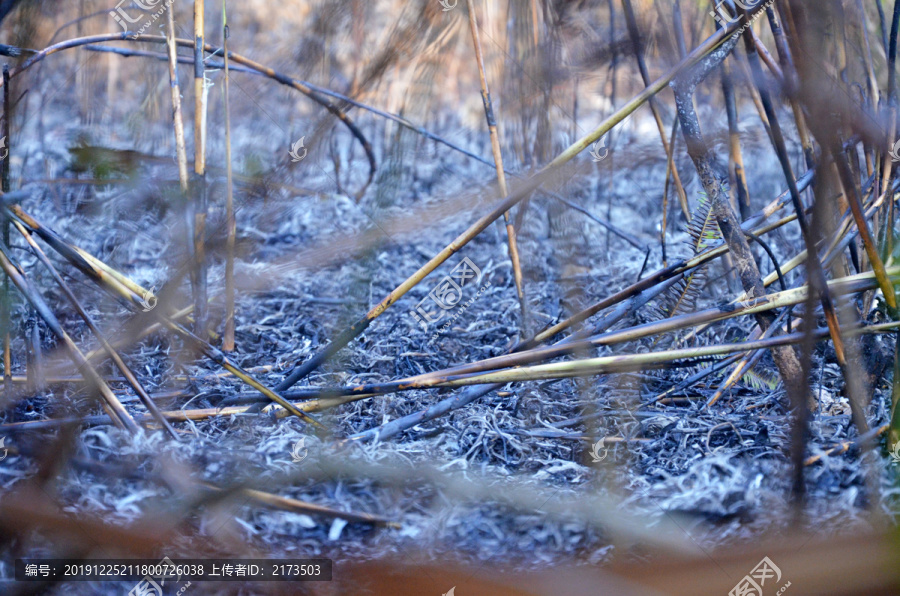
[492,483]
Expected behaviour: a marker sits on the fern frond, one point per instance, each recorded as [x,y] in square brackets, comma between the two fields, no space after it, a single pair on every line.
[682,297]
[702,228]
[703,231]
[760,380]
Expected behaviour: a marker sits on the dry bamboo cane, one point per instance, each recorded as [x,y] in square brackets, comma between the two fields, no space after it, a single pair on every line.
[228,338]
[501,176]
[309,405]
[201,93]
[109,400]
[126,371]
[434,411]
[613,364]
[177,120]
[754,306]
[636,362]
[120,286]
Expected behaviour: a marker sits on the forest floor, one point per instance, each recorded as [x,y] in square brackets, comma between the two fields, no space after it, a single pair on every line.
[721,474]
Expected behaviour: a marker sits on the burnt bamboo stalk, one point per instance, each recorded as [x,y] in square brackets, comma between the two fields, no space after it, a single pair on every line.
[231,224]
[326,352]
[754,94]
[871,79]
[882,27]
[784,356]
[892,57]
[670,163]
[851,192]
[767,58]
[789,79]
[37,360]
[816,274]
[638,48]
[109,400]
[116,358]
[768,303]
[696,377]
[501,176]
[5,305]
[887,164]
[201,94]
[103,276]
[735,157]
[181,155]
[679,28]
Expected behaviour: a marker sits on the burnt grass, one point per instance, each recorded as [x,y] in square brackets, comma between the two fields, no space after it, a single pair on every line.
[722,472]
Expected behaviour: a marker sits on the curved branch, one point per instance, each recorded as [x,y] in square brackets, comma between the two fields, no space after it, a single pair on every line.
[264,70]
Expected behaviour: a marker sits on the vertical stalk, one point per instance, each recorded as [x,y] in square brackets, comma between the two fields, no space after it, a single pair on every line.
[177,120]
[178,124]
[790,77]
[735,156]
[498,163]
[200,107]
[228,339]
[4,181]
[635,35]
